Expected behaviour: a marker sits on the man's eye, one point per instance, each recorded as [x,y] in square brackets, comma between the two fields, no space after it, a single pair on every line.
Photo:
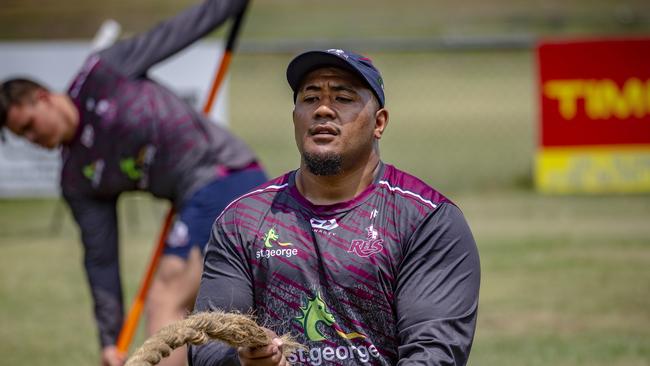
[309,99]
[344,99]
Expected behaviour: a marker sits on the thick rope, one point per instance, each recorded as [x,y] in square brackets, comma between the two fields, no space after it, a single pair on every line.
[236,330]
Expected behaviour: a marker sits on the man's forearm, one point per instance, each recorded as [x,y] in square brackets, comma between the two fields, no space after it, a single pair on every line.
[97,220]
[105,287]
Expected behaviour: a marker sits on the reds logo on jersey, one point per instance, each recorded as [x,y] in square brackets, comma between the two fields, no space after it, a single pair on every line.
[365,248]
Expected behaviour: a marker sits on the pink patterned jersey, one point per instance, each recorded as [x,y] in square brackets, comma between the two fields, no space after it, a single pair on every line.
[390,277]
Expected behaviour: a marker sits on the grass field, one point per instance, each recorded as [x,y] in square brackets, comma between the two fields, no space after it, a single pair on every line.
[566,279]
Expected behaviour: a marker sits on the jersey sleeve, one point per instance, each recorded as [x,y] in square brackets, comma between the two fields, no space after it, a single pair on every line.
[97,220]
[134,56]
[227,284]
[437,291]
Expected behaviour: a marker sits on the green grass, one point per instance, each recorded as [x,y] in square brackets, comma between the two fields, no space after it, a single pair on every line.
[565,280]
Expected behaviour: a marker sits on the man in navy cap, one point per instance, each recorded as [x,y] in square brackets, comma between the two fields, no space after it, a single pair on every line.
[361,262]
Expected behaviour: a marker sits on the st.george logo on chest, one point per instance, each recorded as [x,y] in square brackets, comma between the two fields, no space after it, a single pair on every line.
[274,247]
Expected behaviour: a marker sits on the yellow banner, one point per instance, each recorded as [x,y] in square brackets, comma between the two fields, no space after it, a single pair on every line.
[611,169]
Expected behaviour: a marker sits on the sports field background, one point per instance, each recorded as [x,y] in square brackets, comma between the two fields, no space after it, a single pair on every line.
[566,279]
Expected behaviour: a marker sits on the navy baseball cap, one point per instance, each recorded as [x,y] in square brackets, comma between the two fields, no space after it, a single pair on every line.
[360,65]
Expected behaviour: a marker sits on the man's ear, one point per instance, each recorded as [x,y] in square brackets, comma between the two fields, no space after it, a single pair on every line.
[42,95]
[381,122]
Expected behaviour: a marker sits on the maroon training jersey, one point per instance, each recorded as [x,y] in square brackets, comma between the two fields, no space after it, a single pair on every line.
[390,277]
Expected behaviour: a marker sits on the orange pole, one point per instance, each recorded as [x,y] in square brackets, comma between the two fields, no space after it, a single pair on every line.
[225,61]
[131,322]
[221,74]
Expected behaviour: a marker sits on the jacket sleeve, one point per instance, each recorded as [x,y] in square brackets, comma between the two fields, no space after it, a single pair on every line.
[134,56]
[437,291]
[97,220]
[227,284]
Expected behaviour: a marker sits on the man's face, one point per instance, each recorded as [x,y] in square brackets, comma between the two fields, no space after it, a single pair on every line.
[336,118]
[37,120]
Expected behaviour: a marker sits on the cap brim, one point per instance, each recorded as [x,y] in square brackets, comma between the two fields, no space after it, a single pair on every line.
[309,61]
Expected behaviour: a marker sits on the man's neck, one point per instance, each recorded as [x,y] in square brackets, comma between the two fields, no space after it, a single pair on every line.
[71,116]
[328,190]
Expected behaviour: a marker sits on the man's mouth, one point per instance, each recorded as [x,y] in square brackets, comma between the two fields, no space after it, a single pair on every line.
[323,130]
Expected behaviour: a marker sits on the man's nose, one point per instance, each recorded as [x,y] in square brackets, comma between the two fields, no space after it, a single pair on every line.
[324,110]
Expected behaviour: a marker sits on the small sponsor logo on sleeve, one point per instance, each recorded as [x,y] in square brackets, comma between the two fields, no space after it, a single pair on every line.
[93,172]
[179,235]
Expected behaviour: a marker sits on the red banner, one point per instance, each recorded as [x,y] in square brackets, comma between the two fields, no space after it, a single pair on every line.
[594,92]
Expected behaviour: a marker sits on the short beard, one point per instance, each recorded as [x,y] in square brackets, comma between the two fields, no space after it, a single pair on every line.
[324,165]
